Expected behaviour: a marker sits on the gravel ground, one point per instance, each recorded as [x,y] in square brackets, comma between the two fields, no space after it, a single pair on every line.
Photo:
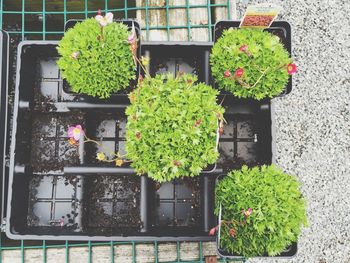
[313,128]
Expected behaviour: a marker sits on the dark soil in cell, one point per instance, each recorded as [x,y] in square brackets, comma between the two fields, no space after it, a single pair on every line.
[50,150]
[54,202]
[111,202]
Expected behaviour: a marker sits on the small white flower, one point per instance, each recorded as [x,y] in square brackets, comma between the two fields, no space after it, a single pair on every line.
[104,20]
[75,55]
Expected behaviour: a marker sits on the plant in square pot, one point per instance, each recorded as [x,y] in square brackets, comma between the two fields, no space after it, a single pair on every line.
[251,63]
[98,56]
[261,213]
[172,128]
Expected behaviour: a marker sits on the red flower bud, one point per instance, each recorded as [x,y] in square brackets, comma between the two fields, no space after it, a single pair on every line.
[243,48]
[232,232]
[177,163]
[138,135]
[213,231]
[198,122]
[221,127]
[239,72]
[227,73]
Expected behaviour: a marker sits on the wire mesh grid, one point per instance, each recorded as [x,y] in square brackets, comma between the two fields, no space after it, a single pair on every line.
[45,19]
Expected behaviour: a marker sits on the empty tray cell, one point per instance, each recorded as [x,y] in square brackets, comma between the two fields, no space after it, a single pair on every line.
[106,127]
[228,129]
[175,66]
[50,150]
[49,68]
[47,81]
[122,128]
[112,202]
[226,150]
[49,90]
[53,201]
[246,129]
[178,203]
[181,59]
[248,152]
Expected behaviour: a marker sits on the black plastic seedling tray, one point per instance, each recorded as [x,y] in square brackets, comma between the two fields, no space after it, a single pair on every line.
[59,192]
[282,29]
[4,48]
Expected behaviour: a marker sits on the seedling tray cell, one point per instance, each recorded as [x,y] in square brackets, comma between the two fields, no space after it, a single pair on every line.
[61,192]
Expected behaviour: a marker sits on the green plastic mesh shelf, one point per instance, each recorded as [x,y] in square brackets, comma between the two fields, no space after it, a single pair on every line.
[44,19]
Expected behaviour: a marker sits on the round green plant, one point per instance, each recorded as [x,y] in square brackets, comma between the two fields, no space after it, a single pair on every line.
[96,59]
[172,127]
[263,211]
[251,63]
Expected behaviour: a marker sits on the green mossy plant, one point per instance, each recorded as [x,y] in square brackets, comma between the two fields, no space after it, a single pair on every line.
[251,63]
[263,211]
[172,127]
[96,60]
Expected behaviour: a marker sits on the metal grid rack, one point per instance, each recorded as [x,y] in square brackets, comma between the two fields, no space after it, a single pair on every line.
[44,19]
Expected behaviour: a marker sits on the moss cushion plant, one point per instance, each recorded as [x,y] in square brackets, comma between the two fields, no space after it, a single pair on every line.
[251,63]
[97,56]
[172,127]
[263,211]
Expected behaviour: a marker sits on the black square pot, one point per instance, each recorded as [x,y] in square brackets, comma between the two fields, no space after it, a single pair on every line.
[289,252]
[282,29]
[129,23]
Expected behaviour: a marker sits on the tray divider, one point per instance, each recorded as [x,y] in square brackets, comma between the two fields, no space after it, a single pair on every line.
[144,203]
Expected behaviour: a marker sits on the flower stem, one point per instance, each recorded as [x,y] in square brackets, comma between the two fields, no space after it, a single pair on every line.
[262,74]
[141,65]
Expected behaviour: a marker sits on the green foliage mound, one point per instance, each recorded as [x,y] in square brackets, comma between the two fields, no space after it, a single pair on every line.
[278,211]
[95,64]
[172,127]
[261,57]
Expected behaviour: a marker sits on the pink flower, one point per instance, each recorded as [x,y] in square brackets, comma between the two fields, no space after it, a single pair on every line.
[239,72]
[291,68]
[243,48]
[75,132]
[227,73]
[132,36]
[104,20]
[248,212]
[213,231]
